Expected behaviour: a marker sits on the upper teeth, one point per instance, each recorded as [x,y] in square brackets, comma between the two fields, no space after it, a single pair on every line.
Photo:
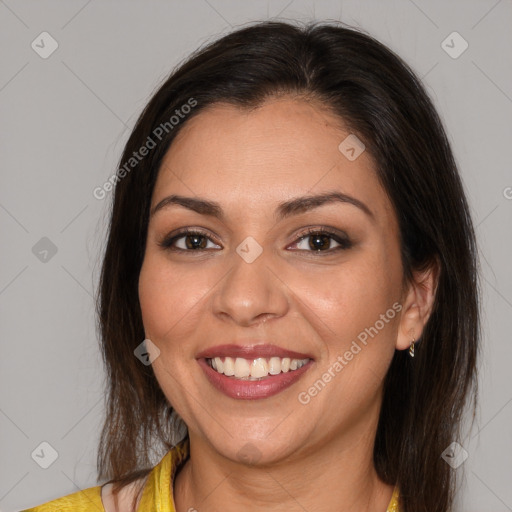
[255,368]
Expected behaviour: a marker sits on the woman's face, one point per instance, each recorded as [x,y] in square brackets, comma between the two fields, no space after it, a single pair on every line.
[248,279]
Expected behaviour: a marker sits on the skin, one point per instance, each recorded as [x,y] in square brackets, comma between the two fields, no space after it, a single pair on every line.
[313,457]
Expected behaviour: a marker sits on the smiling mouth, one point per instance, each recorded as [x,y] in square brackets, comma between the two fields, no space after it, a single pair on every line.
[254,369]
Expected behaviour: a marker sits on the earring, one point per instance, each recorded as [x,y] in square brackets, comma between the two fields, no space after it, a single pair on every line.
[411,348]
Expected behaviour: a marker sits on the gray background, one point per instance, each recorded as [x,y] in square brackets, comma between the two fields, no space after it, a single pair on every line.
[64,122]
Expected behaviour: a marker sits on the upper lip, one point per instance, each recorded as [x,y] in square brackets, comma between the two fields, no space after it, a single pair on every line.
[250,352]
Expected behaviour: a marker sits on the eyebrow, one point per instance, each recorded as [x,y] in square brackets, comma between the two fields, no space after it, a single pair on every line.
[294,206]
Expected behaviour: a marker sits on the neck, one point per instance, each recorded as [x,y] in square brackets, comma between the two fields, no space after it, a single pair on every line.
[336,475]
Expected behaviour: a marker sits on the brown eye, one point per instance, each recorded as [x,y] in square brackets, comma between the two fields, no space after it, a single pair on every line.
[189,240]
[320,240]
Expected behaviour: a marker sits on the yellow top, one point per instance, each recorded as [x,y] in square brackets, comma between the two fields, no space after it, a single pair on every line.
[157,494]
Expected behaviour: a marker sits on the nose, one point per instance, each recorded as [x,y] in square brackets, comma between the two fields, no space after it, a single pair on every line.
[250,293]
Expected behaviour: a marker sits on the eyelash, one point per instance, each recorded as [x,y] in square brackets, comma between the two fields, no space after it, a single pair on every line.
[343,241]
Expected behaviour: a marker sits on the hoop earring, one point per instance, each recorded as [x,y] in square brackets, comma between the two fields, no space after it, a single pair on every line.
[411,348]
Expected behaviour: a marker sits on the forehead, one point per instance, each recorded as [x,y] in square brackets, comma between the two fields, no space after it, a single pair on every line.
[284,148]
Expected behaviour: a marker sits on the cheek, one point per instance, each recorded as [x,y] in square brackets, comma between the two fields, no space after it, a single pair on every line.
[167,297]
[347,302]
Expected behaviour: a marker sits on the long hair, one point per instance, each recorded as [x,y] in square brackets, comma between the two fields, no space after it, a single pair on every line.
[380,99]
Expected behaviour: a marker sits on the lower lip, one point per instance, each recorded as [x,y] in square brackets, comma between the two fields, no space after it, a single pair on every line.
[252,389]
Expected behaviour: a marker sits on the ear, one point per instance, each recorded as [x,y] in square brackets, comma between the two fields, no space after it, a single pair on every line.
[417,303]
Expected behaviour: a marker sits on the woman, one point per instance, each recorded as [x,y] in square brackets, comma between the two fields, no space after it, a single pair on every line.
[291,239]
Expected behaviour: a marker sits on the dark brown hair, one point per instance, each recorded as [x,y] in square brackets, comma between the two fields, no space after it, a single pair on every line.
[380,99]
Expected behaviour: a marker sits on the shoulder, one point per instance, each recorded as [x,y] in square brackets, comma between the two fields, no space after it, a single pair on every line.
[99,499]
[80,501]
